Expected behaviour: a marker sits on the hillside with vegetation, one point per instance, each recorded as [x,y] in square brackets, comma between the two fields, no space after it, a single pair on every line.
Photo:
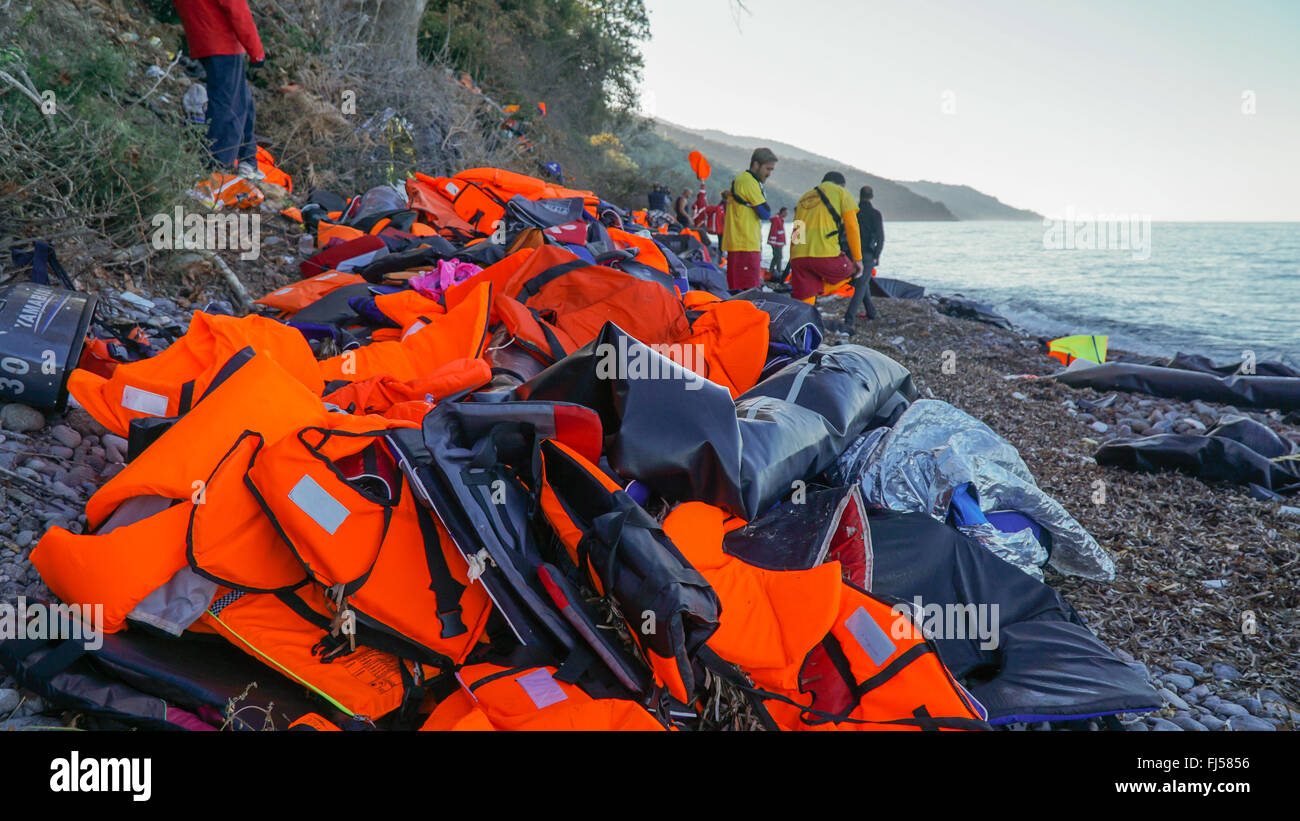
[799,170]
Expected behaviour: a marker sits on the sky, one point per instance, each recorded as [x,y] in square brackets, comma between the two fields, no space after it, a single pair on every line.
[1170,110]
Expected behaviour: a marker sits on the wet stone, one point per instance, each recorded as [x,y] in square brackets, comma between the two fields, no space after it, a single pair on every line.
[1173,698]
[66,435]
[1249,722]
[1190,724]
[1225,671]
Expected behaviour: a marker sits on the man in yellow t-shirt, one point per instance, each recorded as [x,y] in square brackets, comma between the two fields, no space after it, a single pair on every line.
[742,235]
[825,246]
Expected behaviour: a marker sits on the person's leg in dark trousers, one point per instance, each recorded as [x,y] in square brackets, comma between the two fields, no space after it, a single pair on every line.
[861,299]
[778,273]
[230,115]
[248,143]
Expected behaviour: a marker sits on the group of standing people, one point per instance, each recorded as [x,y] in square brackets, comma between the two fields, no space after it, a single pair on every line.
[834,240]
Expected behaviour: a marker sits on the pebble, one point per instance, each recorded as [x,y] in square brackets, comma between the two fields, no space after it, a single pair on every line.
[1100,427]
[1253,705]
[1173,698]
[1189,667]
[62,452]
[1267,695]
[1249,722]
[82,422]
[1137,727]
[8,701]
[1018,395]
[21,418]
[1276,710]
[1180,682]
[1225,671]
[1163,725]
[60,489]
[1215,584]
[1227,709]
[24,538]
[1163,426]
[1190,425]
[114,448]
[66,436]
[1212,722]
[1189,723]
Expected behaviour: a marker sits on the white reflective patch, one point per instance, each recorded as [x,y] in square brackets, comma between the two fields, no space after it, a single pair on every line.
[282,292]
[870,637]
[415,326]
[327,276]
[317,503]
[542,688]
[153,404]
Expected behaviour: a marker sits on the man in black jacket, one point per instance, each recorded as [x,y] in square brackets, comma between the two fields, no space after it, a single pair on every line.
[871,227]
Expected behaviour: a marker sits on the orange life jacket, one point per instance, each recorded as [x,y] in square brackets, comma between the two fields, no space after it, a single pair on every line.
[649,251]
[555,302]
[274,174]
[389,560]
[119,567]
[824,653]
[299,295]
[170,383]
[494,697]
[727,345]
[434,205]
[286,634]
[380,393]
[461,333]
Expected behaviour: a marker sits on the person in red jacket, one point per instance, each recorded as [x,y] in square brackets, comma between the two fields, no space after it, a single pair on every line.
[776,240]
[220,33]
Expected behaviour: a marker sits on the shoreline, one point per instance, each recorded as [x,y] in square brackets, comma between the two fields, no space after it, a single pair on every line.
[1169,533]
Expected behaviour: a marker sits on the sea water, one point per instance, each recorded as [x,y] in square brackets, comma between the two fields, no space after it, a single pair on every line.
[1217,289]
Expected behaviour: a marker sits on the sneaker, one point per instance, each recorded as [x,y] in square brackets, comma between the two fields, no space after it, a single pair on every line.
[249,171]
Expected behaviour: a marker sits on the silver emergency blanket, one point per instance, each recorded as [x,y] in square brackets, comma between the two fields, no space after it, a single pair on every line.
[935,448]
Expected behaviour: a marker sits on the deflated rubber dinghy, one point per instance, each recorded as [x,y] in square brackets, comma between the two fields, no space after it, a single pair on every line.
[1268,392]
[684,438]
